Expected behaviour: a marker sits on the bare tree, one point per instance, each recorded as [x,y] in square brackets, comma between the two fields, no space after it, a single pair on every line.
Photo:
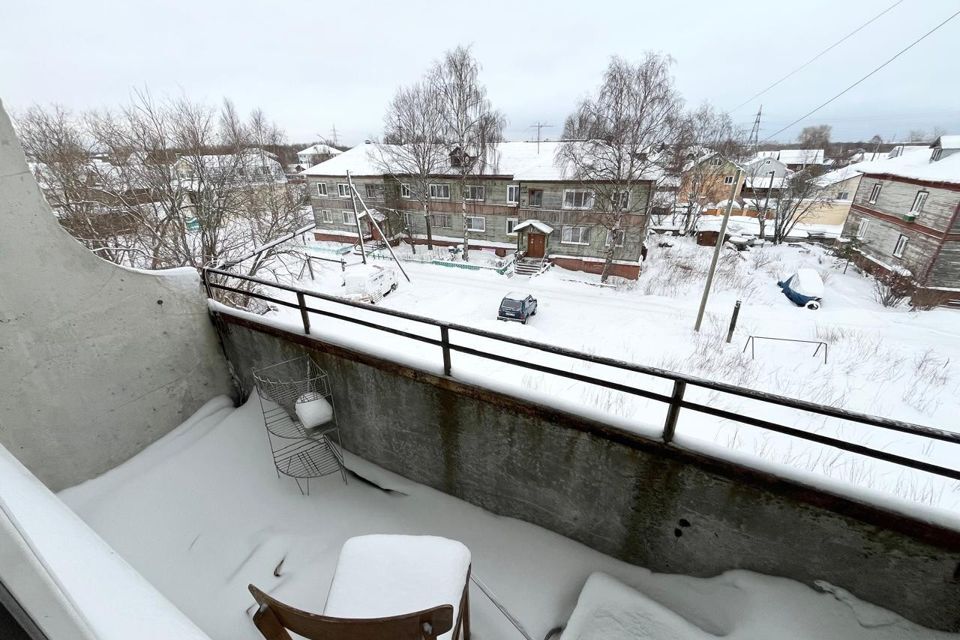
[615,140]
[191,185]
[815,137]
[471,127]
[801,195]
[708,143]
[414,154]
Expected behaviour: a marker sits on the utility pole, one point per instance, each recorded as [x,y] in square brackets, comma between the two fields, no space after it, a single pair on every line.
[356,218]
[539,126]
[754,140]
[716,249]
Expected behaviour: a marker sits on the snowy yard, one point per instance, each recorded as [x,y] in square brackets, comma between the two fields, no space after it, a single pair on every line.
[889,362]
[201,514]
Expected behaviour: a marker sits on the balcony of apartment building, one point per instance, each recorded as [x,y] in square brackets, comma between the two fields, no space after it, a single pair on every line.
[457,502]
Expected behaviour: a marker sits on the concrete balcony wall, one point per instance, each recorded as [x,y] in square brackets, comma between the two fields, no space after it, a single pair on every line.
[96,361]
[658,506]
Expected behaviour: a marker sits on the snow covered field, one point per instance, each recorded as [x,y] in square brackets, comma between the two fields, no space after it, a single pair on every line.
[201,514]
[888,362]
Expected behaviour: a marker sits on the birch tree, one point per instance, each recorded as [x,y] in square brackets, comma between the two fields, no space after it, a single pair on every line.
[470,126]
[614,141]
[801,195]
[413,155]
[709,142]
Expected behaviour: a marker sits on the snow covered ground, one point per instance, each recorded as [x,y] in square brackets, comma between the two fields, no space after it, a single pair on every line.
[888,362]
[201,514]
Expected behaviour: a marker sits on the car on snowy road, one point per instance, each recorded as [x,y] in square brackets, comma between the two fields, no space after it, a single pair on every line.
[518,307]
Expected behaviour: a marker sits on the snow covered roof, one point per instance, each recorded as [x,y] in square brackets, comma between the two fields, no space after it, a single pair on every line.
[515,295]
[320,150]
[536,224]
[947,142]
[917,166]
[763,182]
[839,175]
[518,160]
[795,156]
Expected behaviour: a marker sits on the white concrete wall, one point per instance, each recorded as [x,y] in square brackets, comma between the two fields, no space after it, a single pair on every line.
[96,361]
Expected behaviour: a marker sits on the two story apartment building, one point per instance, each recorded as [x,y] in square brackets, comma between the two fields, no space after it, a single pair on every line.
[521,201]
[906,216]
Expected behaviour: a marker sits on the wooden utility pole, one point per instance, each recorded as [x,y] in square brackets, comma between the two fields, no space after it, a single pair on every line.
[356,217]
[716,250]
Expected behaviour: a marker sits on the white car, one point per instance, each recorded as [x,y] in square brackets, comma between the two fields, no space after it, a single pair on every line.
[369,282]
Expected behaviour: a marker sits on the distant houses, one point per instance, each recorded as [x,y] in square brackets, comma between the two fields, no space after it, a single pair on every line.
[520,201]
[315,154]
[905,218]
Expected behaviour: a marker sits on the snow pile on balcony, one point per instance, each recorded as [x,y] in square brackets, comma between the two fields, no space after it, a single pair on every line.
[201,514]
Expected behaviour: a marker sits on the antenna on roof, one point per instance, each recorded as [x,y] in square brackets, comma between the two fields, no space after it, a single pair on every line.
[539,126]
[334,132]
[754,140]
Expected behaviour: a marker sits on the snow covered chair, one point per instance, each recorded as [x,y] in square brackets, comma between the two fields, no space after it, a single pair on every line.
[301,422]
[386,587]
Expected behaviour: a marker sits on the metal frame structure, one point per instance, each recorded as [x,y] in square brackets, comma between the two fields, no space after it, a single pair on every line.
[751,342]
[298,452]
[676,402]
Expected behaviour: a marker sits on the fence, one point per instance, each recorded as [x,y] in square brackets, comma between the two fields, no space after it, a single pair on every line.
[216,279]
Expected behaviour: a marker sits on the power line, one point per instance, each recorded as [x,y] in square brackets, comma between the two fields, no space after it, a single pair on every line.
[816,57]
[898,54]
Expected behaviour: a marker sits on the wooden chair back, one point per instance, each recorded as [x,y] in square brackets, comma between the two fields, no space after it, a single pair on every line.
[274,618]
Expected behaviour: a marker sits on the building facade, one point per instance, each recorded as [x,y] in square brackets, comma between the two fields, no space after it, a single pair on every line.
[523,186]
[906,218]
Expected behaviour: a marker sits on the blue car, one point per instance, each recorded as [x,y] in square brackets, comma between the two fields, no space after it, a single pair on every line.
[804,288]
[517,307]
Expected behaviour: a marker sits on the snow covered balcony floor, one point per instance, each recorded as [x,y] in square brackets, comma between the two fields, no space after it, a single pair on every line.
[201,514]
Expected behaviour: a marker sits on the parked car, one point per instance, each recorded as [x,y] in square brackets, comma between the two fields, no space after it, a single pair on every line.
[369,283]
[804,288]
[518,307]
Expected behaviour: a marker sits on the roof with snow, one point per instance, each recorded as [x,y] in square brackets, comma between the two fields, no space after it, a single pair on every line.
[917,166]
[844,173]
[795,156]
[947,142]
[320,150]
[536,224]
[517,160]
[763,182]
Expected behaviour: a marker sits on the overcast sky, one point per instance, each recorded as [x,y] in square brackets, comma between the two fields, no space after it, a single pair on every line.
[315,65]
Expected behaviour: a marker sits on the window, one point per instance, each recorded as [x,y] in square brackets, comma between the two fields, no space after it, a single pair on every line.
[513,194]
[473,192]
[577,199]
[716,162]
[727,179]
[511,223]
[862,228]
[575,235]
[843,195]
[321,188]
[343,190]
[440,221]
[405,191]
[874,193]
[621,200]
[408,221]
[901,245]
[535,197]
[348,217]
[476,223]
[439,192]
[937,154]
[326,216]
[374,191]
[919,201]
[618,235]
